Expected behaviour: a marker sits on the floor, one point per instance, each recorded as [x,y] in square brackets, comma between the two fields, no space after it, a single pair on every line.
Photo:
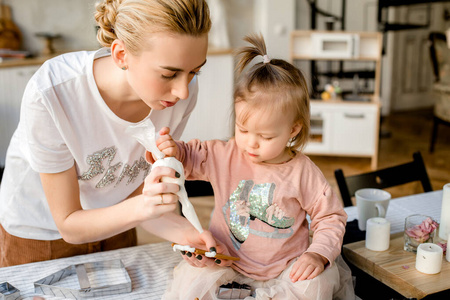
[401,135]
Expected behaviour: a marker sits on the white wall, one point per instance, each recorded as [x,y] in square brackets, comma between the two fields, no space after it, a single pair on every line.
[74,20]
[275,20]
[240,19]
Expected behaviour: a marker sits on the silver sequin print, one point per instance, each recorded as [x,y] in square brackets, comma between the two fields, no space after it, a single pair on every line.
[96,162]
[237,227]
[100,163]
[109,176]
[132,172]
[250,201]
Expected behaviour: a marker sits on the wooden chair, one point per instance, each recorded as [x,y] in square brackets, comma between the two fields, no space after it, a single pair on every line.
[384,178]
[440,60]
[196,188]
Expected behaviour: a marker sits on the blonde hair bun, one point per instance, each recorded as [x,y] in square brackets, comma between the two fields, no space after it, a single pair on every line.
[133,21]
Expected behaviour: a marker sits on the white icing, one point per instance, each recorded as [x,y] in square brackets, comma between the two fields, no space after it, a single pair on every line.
[183,248]
[210,254]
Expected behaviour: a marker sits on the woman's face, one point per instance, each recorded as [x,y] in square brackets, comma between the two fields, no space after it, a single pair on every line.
[160,75]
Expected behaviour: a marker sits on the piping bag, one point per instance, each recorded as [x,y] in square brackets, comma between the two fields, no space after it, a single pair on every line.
[145,134]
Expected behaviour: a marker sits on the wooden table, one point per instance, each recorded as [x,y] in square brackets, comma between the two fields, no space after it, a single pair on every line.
[395,267]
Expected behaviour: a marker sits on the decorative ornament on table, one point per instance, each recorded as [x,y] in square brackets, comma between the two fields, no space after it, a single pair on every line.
[378,233]
[145,134]
[429,258]
[419,229]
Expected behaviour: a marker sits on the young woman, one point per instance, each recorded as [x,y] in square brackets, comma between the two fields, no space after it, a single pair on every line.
[73,181]
[263,188]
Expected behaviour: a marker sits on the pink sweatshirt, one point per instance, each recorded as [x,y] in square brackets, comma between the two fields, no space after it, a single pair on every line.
[260,209]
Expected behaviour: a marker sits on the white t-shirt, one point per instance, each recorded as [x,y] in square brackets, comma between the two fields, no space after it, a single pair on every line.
[64,121]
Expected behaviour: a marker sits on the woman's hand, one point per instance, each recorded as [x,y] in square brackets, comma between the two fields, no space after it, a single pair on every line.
[159,197]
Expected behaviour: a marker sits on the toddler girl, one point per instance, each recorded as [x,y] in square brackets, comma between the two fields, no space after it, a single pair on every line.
[264,187]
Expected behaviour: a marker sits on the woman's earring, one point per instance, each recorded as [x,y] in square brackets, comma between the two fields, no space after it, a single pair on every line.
[124,68]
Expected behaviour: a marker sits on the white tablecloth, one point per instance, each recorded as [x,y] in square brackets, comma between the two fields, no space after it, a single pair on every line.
[149,267]
[429,204]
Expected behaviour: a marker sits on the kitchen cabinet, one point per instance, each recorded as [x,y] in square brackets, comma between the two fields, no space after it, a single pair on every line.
[342,127]
[13,81]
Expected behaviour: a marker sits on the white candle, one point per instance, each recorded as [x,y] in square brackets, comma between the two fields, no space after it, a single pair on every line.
[444,226]
[429,258]
[378,234]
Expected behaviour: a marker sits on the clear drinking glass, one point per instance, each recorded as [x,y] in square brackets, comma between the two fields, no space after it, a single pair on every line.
[418,229]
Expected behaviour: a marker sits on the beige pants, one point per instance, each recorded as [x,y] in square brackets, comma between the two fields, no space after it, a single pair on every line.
[16,251]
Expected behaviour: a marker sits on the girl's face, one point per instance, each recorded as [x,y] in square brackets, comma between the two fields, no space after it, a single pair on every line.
[264,135]
[160,76]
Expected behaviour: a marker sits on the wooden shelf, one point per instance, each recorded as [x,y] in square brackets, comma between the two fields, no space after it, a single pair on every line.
[368,45]
[342,127]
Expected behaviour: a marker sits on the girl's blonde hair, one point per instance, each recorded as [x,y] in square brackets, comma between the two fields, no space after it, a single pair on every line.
[133,21]
[284,83]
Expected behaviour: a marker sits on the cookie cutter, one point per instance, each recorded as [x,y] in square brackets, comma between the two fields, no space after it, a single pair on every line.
[94,279]
[8,292]
[234,291]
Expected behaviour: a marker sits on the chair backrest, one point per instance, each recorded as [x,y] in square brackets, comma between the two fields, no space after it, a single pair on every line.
[439,56]
[383,178]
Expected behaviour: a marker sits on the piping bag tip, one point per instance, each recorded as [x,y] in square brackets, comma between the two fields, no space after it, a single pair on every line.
[145,133]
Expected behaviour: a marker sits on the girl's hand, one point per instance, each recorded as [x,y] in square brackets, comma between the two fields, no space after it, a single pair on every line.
[165,143]
[207,242]
[308,266]
[158,197]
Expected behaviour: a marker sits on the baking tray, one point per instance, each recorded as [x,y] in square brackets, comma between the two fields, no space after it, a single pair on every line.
[8,292]
[86,280]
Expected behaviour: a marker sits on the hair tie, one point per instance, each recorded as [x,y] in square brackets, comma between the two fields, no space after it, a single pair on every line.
[266,59]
